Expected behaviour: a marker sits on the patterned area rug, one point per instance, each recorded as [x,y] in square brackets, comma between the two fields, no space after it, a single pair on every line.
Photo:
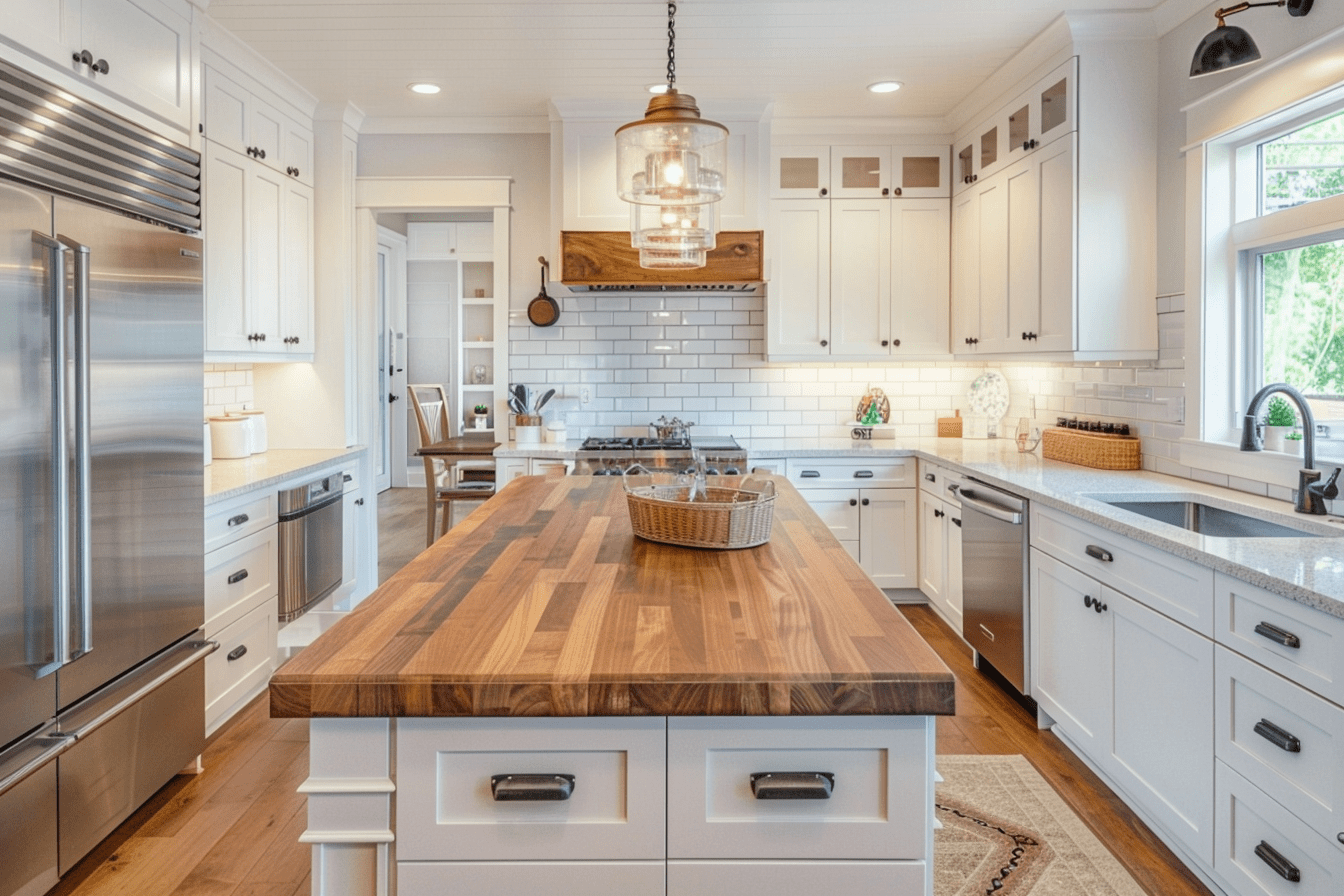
[1006,832]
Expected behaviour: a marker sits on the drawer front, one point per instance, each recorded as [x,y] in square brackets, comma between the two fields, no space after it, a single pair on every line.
[515,878]
[1314,656]
[1170,585]
[616,810]
[1248,818]
[880,807]
[795,878]
[931,478]
[836,472]
[1308,780]
[240,577]
[239,517]
[241,666]
[838,509]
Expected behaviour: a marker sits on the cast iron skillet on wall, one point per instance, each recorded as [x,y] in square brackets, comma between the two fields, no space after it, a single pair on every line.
[543,311]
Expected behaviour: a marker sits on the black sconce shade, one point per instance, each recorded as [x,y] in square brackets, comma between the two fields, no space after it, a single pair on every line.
[1228,46]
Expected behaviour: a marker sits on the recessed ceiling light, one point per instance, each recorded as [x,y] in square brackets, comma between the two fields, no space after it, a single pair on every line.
[885,87]
[424,87]
[657,88]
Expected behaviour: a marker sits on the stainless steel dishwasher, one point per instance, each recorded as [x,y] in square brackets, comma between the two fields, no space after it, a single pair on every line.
[311,543]
[995,579]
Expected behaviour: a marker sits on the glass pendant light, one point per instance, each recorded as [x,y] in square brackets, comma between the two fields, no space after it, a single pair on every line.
[669,166]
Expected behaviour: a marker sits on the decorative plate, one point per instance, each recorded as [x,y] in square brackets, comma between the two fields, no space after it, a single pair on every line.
[989,395]
[872,396]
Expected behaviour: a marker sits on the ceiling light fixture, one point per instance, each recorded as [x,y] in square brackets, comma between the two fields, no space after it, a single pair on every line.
[670,168]
[885,87]
[424,87]
[1227,46]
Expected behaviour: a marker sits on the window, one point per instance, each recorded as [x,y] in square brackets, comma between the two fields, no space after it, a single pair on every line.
[1302,166]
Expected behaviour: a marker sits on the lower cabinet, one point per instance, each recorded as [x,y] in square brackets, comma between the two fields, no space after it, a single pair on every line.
[515,878]
[940,542]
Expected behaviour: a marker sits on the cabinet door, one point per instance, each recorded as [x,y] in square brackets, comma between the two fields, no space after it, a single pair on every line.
[1055,101]
[953,587]
[265,124]
[921,172]
[798,303]
[932,549]
[224,117]
[1056,181]
[431,241]
[265,209]
[838,509]
[225,226]
[1071,654]
[296,296]
[1022,192]
[860,172]
[352,507]
[920,293]
[147,46]
[296,146]
[964,165]
[993,246]
[42,28]
[860,277]
[1162,749]
[800,172]
[965,271]
[508,469]
[888,537]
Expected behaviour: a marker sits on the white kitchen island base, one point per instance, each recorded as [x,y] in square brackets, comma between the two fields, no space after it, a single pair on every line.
[660,805]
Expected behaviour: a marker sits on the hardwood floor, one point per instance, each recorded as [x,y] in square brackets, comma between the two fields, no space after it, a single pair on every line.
[234,829]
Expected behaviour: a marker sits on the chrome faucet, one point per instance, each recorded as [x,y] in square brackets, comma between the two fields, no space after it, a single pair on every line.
[1311,492]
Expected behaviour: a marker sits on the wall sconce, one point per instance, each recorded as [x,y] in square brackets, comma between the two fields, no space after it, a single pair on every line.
[1227,46]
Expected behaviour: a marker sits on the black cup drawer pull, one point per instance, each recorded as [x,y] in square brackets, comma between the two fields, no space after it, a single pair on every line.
[1278,737]
[1099,553]
[238,520]
[238,652]
[1275,860]
[810,474]
[531,788]
[863,474]
[238,577]
[929,477]
[792,785]
[1278,635]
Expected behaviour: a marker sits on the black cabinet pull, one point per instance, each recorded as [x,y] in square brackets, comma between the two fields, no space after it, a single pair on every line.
[792,785]
[863,474]
[929,477]
[1094,603]
[810,474]
[84,57]
[359,502]
[853,502]
[531,788]
[864,502]
[238,520]
[1277,863]
[238,652]
[938,514]
[1278,635]
[956,522]
[261,153]
[238,577]
[1099,553]
[1278,737]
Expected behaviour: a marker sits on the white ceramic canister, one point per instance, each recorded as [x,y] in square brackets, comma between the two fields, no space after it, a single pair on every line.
[555,432]
[209,451]
[257,419]
[230,437]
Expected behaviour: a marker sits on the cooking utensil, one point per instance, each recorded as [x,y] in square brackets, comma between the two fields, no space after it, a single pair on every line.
[541,402]
[663,428]
[543,311]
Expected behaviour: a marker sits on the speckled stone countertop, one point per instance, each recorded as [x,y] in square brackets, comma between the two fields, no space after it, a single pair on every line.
[228,478]
[1309,570]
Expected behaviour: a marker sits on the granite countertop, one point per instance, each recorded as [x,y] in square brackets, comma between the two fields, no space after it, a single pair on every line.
[1309,570]
[543,602]
[229,478]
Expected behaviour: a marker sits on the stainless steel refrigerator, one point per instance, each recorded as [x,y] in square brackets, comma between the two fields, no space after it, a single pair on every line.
[101,655]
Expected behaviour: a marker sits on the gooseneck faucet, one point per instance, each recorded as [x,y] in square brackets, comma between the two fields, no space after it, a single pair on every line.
[1311,493]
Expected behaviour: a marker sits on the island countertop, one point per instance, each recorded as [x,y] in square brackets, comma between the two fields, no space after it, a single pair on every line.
[544,603]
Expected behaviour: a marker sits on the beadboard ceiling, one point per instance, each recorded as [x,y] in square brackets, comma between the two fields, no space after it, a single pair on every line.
[501,60]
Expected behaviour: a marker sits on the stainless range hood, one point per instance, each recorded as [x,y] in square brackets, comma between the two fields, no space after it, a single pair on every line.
[596,262]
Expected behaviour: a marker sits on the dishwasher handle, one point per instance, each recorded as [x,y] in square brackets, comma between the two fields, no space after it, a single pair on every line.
[970,499]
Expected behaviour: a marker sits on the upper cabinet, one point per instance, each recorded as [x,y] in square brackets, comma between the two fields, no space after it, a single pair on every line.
[860,172]
[1054,214]
[136,52]
[236,117]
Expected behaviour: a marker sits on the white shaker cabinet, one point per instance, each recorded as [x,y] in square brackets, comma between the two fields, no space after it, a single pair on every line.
[798,304]
[940,542]
[235,116]
[860,290]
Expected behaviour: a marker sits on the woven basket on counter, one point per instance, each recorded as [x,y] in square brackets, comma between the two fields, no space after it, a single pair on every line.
[1099,450]
[724,518]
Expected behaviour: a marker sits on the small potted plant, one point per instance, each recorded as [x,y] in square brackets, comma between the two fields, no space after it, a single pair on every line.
[482,413]
[1292,443]
[1280,418]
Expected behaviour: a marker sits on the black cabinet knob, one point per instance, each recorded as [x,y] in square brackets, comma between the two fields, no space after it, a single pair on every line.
[864,502]
[824,191]
[824,343]
[84,57]
[896,342]
[885,342]
[853,502]
[898,191]
[359,502]
[101,67]
[887,192]
[262,152]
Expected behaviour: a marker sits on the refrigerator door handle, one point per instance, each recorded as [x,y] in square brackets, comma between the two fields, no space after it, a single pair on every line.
[43,663]
[81,615]
[87,716]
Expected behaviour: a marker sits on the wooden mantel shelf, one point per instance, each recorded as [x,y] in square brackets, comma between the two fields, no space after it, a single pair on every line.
[543,603]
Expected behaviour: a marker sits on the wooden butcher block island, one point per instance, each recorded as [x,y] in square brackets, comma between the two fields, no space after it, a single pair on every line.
[543,702]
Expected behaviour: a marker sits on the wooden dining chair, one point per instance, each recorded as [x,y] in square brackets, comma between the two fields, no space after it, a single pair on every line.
[443,484]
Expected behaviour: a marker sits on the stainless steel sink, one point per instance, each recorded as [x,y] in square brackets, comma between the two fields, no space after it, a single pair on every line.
[1208,520]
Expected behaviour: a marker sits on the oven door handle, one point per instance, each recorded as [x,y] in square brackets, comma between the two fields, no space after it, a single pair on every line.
[994,511]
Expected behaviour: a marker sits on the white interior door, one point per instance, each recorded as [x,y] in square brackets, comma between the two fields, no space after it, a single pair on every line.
[391,313]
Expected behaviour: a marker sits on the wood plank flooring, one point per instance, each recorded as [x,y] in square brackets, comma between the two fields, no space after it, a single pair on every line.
[233,830]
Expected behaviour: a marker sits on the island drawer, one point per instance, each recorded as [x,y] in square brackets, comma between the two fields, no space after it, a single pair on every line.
[551,878]
[1171,585]
[1252,820]
[880,806]
[238,517]
[1282,738]
[848,472]
[616,809]
[1302,643]
[239,577]
[794,878]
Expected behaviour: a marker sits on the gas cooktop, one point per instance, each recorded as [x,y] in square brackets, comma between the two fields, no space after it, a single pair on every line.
[702,443]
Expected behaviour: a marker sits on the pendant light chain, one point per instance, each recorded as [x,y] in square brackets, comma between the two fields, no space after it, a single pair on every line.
[671,45]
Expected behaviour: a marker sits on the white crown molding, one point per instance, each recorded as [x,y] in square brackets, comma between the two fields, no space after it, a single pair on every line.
[481,125]
[246,65]
[1171,14]
[346,113]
